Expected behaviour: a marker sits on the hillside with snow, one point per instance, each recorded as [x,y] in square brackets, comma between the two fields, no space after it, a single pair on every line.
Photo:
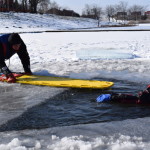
[26,22]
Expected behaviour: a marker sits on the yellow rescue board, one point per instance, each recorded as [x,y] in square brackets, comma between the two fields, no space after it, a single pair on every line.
[63,82]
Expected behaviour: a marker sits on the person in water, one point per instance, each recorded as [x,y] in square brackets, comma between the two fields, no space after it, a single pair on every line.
[143,97]
[11,44]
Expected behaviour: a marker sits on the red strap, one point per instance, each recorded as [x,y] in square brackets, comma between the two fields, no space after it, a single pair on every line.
[4,49]
[3,78]
[17,75]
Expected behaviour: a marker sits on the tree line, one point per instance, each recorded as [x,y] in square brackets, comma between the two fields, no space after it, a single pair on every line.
[33,6]
[120,11]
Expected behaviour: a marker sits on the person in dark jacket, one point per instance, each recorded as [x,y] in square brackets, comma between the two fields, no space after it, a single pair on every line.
[11,44]
[143,97]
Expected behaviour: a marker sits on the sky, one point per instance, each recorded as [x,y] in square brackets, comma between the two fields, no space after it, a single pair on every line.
[78,5]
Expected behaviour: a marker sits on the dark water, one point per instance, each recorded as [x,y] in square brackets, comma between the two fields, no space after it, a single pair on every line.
[78,106]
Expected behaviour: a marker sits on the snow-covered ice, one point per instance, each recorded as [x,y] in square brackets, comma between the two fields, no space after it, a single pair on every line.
[66,51]
[128,134]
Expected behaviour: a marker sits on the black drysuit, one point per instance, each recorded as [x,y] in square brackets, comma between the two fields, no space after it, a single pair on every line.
[6,52]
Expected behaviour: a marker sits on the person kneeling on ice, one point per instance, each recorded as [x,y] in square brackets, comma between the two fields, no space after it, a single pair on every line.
[143,97]
[9,45]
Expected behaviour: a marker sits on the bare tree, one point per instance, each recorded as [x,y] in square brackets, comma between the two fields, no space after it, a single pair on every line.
[93,11]
[97,13]
[44,6]
[54,5]
[110,11]
[6,5]
[87,10]
[33,5]
[136,11]
[122,6]
[24,5]
[121,10]
[54,8]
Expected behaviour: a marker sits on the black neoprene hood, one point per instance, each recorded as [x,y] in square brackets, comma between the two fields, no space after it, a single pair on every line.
[14,38]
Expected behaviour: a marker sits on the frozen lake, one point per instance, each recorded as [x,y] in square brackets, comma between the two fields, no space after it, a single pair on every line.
[36,117]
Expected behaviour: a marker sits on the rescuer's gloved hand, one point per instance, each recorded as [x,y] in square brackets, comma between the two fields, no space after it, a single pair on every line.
[11,78]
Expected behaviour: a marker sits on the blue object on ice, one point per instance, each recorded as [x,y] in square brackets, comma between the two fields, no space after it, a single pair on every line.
[103,97]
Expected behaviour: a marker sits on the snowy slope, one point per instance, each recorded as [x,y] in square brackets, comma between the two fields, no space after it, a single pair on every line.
[26,22]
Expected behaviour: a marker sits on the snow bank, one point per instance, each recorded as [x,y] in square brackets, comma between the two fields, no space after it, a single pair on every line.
[119,135]
[79,143]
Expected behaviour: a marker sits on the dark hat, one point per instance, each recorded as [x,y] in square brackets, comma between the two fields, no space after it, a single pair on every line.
[14,38]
